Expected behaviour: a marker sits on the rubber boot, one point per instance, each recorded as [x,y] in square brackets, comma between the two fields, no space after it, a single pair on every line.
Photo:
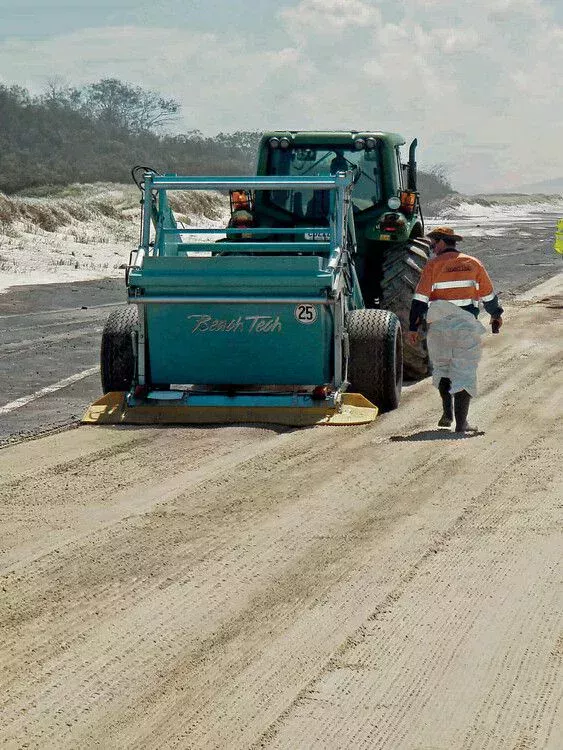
[447,414]
[461,410]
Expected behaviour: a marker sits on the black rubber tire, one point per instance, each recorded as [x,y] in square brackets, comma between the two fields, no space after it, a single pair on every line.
[117,360]
[375,368]
[401,271]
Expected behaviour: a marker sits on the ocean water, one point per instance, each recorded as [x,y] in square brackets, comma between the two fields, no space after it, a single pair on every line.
[498,215]
[513,235]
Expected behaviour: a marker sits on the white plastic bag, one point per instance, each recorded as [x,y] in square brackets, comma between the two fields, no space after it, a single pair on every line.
[454,345]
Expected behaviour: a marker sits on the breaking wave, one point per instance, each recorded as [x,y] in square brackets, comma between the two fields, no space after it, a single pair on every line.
[497,215]
[495,206]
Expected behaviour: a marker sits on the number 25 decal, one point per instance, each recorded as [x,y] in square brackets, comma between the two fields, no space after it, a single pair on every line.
[306,313]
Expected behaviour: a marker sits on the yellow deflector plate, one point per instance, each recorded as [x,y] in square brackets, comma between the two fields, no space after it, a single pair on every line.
[112,409]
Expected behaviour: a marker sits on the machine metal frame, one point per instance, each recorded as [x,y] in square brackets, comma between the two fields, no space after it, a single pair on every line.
[341,234]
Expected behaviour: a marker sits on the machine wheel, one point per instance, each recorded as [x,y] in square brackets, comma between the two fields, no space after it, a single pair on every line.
[117,359]
[375,368]
[402,268]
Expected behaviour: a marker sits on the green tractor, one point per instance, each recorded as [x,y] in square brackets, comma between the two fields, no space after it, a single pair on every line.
[388,222]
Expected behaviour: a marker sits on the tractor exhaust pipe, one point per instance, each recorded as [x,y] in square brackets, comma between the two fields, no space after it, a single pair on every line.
[411,172]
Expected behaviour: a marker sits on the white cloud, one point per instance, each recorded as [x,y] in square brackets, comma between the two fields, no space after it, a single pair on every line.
[488,71]
[221,82]
[321,16]
[457,40]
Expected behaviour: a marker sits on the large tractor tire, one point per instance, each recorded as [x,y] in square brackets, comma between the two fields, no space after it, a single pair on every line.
[375,367]
[117,359]
[401,271]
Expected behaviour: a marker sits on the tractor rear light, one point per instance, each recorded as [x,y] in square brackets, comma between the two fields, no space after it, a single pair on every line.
[285,142]
[240,200]
[274,142]
[359,144]
[408,201]
[370,143]
[320,392]
[141,391]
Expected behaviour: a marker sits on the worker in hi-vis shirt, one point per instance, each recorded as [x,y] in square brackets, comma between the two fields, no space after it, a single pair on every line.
[447,296]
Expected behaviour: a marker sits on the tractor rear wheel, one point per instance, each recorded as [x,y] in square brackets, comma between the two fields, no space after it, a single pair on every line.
[375,367]
[117,359]
[401,271]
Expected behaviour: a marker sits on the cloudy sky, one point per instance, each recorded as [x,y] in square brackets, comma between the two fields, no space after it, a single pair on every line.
[477,81]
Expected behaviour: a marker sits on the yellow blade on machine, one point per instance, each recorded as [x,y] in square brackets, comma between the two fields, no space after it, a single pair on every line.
[113,409]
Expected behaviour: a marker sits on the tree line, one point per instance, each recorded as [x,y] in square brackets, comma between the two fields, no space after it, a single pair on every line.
[97,132]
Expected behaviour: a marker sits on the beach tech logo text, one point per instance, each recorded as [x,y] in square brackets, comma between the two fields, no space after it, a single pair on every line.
[242,324]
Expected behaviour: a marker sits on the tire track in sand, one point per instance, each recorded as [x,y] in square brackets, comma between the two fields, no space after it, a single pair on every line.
[471,661]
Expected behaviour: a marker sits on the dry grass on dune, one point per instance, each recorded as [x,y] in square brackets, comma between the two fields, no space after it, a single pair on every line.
[100,203]
[191,205]
[83,231]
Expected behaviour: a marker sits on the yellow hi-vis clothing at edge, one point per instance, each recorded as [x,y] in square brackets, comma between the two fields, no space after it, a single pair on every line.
[559,237]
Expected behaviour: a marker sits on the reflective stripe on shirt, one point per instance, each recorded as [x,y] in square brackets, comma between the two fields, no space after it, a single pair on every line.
[462,302]
[455,284]
[488,298]
[421,297]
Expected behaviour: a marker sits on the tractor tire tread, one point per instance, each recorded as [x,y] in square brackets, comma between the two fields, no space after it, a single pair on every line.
[373,367]
[401,271]
[117,360]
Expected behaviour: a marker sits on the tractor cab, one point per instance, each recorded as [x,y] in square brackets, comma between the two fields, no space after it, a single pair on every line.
[384,199]
[386,218]
[364,165]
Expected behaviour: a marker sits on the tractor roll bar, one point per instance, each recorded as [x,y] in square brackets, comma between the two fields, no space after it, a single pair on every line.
[167,300]
[172,182]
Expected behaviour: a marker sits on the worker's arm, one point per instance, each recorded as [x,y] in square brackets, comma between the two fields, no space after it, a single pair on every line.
[493,306]
[417,313]
[419,304]
[421,298]
[488,296]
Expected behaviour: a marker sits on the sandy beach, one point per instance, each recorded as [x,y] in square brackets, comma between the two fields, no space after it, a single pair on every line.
[388,586]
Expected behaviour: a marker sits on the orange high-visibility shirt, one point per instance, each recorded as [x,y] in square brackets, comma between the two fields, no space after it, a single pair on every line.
[457,278]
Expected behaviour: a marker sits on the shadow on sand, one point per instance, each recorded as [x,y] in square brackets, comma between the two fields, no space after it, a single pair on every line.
[434,435]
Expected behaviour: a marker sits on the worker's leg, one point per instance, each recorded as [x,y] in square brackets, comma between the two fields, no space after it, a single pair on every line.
[465,360]
[462,400]
[464,378]
[440,352]
[447,413]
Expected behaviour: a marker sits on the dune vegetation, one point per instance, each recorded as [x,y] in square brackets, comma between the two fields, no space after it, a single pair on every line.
[98,132]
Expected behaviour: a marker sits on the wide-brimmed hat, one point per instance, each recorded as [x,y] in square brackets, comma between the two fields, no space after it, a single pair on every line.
[446,233]
[241,218]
